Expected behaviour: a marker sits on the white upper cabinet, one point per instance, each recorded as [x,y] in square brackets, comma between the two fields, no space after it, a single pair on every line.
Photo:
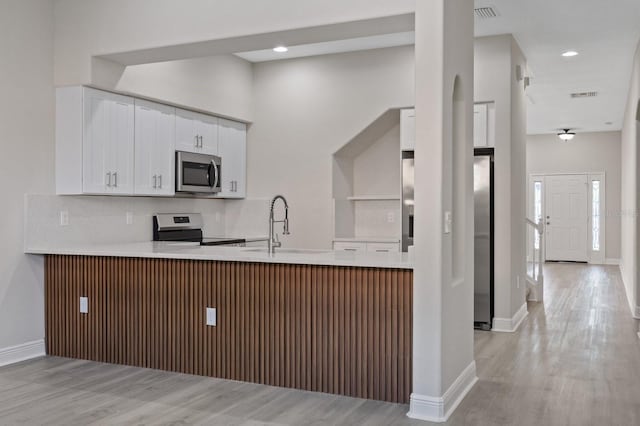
[155,133]
[407,129]
[233,152]
[110,144]
[196,132]
[480,125]
[107,143]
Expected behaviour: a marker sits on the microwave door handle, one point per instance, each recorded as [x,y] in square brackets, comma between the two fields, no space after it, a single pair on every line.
[211,183]
[215,174]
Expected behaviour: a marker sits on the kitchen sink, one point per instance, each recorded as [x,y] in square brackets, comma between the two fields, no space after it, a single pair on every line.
[289,251]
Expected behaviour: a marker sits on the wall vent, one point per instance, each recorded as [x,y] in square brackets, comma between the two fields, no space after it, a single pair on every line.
[584,95]
[486,12]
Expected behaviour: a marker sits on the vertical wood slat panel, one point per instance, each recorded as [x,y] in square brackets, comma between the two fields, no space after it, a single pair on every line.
[331,329]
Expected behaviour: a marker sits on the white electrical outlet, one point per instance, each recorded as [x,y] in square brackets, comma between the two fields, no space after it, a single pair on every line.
[391,217]
[64,218]
[84,305]
[129,218]
[212,319]
[448,222]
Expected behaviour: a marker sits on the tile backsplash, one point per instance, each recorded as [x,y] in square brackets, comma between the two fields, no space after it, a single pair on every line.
[100,219]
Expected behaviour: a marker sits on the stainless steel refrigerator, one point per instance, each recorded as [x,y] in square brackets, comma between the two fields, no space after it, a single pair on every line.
[484,238]
[407,199]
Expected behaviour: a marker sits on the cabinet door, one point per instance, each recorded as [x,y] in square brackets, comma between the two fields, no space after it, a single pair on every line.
[122,147]
[187,131]
[480,125]
[207,128]
[154,148]
[407,129]
[233,151]
[107,143]
[383,247]
[349,246]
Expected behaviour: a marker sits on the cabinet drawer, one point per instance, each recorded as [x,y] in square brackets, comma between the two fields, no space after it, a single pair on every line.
[383,247]
[349,246]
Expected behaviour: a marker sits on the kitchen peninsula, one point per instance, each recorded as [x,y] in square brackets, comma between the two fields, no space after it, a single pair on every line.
[335,322]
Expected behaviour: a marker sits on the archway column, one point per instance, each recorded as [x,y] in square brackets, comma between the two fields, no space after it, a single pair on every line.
[443,364]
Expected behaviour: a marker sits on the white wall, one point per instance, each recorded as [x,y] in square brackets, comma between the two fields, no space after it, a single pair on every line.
[587,153]
[85,28]
[26,162]
[305,110]
[219,84]
[495,60]
[629,198]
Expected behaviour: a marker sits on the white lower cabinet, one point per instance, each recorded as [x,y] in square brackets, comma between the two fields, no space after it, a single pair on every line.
[154,148]
[232,145]
[366,246]
[383,247]
[349,246]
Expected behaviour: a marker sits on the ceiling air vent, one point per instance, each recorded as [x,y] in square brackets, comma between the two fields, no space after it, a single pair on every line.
[584,95]
[486,12]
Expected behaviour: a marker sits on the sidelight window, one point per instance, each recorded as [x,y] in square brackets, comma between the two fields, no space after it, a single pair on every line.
[537,206]
[595,212]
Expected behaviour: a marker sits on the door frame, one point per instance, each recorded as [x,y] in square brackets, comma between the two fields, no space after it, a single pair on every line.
[594,257]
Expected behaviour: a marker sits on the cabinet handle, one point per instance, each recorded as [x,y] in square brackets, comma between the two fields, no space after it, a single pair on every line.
[109,179]
[350,249]
[383,251]
[201,143]
[160,180]
[196,141]
[155,181]
[115,179]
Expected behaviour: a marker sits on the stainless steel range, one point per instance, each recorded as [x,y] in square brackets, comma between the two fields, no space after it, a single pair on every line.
[187,227]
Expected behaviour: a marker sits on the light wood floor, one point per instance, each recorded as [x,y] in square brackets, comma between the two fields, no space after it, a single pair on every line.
[575,361]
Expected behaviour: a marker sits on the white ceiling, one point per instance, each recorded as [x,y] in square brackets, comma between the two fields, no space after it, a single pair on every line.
[605,33]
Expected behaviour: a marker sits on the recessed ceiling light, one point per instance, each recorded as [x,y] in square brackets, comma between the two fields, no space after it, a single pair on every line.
[570,53]
[280,49]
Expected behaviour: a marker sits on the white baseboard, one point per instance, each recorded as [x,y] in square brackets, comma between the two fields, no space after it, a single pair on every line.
[510,325]
[635,310]
[22,352]
[613,262]
[438,409]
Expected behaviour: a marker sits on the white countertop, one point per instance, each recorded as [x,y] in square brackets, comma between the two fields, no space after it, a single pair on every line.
[163,250]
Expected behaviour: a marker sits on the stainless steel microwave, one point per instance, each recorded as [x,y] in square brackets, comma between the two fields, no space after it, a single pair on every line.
[198,173]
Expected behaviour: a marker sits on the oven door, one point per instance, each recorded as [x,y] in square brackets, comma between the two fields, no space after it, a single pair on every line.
[198,173]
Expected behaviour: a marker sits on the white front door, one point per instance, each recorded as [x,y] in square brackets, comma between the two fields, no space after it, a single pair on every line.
[566,218]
